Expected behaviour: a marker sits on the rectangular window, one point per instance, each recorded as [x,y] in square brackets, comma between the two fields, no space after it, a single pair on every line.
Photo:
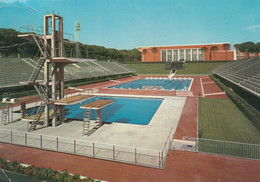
[188,55]
[163,55]
[201,57]
[169,55]
[181,54]
[175,55]
[194,54]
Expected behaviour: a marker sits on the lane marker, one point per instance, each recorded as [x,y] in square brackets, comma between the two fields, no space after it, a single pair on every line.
[202,89]
[217,93]
[207,83]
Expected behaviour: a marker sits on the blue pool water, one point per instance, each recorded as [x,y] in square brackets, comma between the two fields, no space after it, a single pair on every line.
[157,83]
[123,110]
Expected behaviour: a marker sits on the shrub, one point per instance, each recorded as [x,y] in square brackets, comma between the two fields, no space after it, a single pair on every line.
[41,172]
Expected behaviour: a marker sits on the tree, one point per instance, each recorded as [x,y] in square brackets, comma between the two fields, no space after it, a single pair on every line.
[258,48]
[154,51]
[213,49]
[248,47]
[226,48]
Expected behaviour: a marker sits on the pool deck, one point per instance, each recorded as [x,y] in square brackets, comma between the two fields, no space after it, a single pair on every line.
[145,136]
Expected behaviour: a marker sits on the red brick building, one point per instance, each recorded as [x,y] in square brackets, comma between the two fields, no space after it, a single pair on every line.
[199,52]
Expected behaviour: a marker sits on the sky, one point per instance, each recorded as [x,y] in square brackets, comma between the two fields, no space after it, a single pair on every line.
[128,24]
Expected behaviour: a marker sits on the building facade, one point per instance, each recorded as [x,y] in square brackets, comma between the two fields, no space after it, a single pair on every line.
[199,52]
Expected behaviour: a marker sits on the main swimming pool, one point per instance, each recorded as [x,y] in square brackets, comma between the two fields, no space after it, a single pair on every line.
[123,110]
[157,83]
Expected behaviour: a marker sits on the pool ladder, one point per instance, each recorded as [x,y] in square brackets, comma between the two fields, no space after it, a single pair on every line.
[86,121]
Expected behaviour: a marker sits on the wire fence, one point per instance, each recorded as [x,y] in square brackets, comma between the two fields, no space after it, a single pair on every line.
[227,148]
[119,153]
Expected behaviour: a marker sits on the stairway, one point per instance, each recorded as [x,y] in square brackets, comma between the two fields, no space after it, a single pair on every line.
[37,117]
[42,89]
[86,121]
[43,92]
[44,49]
[37,71]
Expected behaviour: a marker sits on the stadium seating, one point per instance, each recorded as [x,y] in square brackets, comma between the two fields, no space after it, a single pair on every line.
[244,73]
[13,70]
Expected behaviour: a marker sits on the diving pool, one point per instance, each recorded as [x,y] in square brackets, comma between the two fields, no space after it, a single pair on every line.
[157,83]
[124,110]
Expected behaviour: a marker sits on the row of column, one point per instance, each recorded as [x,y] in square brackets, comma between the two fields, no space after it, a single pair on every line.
[184,56]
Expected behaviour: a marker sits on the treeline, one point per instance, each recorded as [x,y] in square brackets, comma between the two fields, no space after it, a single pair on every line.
[11,46]
[102,53]
[248,47]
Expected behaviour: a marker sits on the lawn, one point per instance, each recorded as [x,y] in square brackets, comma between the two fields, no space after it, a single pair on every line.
[149,68]
[220,119]
[200,68]
[189,68]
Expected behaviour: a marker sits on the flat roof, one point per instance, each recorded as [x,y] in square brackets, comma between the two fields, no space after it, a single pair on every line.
[184,45]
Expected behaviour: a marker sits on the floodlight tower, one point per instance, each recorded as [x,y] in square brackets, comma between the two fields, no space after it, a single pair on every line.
[77,29]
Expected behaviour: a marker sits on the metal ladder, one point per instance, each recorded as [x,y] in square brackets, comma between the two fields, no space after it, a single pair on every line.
[86,121]
[5,115]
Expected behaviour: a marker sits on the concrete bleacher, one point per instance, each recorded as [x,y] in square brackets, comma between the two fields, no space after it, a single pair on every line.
[244,73]
[13,70]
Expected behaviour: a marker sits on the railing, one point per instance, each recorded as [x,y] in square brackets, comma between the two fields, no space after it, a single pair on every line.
[226,148]
[167,145]
[125,154]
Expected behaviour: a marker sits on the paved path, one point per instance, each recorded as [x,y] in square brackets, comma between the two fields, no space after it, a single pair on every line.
[181,166]
[188,122]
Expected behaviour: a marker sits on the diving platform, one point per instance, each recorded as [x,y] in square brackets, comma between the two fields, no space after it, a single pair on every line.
[96,105]
[69,100]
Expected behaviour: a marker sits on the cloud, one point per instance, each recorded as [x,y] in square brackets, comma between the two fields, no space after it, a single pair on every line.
[253,28]
[12,1]
[17,4]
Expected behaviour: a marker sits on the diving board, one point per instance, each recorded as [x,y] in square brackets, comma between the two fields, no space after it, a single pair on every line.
[68,100]
[96,105]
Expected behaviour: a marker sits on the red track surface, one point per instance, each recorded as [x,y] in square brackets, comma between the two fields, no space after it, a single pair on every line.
[181,166]
[188,122]
[211,90]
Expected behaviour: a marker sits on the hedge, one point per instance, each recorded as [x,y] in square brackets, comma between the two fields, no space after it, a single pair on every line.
[250,112]
[41,172]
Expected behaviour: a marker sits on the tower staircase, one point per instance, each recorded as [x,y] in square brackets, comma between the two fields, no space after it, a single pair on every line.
[44,49]
[41,87]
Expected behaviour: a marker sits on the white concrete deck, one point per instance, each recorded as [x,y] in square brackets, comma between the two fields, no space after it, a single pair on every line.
[152,136]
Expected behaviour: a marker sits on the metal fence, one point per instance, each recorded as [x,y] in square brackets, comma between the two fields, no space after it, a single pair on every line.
[125,154]
[227,148]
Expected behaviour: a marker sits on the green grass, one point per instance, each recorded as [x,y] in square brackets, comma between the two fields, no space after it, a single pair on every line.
[189,68]
[199,68]
[220,119]
[149,68]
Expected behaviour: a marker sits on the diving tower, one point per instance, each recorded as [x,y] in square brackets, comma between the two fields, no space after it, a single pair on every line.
[52,62]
